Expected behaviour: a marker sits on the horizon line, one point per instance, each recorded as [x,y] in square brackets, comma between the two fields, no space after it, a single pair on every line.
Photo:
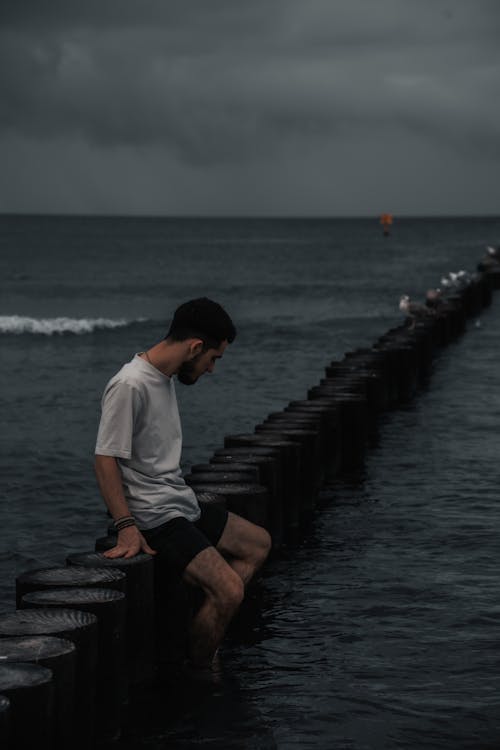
[239,217]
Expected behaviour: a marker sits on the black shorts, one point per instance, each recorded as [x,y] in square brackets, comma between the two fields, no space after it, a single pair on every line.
[178,541]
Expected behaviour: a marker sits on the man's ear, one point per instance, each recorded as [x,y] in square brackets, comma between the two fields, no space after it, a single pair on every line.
[195,347]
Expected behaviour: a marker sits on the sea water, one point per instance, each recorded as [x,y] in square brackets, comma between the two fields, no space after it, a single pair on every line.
[381,629]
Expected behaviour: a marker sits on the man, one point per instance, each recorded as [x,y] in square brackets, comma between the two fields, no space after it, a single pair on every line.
[137,465]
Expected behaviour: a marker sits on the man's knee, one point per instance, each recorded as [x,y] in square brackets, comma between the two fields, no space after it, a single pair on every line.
[267,541]
[245,541]
[263,544]
[229,592]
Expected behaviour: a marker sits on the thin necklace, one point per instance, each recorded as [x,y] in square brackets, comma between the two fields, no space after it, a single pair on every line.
[147,357]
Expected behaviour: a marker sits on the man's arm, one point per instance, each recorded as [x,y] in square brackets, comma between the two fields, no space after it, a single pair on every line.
[109,478]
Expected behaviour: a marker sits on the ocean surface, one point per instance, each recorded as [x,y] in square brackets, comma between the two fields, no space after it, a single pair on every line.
[381,630]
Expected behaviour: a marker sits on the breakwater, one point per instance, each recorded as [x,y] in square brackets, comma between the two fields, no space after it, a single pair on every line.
[403,387]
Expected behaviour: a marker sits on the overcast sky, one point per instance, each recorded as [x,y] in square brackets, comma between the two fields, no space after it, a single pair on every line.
[245,107]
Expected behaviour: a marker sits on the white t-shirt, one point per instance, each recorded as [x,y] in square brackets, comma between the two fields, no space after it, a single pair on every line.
[140,427]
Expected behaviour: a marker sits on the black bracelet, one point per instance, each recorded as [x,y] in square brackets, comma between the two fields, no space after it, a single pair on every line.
[123,518]
[124,524]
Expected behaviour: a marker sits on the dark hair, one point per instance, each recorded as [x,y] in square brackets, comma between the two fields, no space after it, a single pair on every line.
[204,319]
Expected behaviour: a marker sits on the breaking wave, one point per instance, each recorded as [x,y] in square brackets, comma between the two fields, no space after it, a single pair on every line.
[17,324]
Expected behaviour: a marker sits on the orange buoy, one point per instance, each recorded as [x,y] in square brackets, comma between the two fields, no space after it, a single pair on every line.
[386,220]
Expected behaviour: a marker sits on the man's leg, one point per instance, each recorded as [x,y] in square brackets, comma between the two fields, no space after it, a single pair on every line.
[245,545]
[224,591]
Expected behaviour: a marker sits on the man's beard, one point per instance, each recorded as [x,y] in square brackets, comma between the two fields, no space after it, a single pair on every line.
[185,373]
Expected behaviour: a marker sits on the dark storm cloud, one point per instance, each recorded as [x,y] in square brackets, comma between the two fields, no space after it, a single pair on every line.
[220,80]
[168,81]
[223,84]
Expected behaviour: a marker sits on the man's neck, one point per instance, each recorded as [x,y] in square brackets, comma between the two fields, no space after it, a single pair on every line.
[166,356]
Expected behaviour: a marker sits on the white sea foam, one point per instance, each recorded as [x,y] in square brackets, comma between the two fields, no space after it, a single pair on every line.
[18,324]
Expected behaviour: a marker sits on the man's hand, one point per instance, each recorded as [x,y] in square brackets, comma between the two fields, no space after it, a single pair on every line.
[130,543]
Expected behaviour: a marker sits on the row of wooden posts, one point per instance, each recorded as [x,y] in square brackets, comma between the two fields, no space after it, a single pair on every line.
[86,634]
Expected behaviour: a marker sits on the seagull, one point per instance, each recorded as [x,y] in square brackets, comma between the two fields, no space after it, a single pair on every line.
[414,310]
[492,252]
[458,280]
[433,298]
[446,283]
